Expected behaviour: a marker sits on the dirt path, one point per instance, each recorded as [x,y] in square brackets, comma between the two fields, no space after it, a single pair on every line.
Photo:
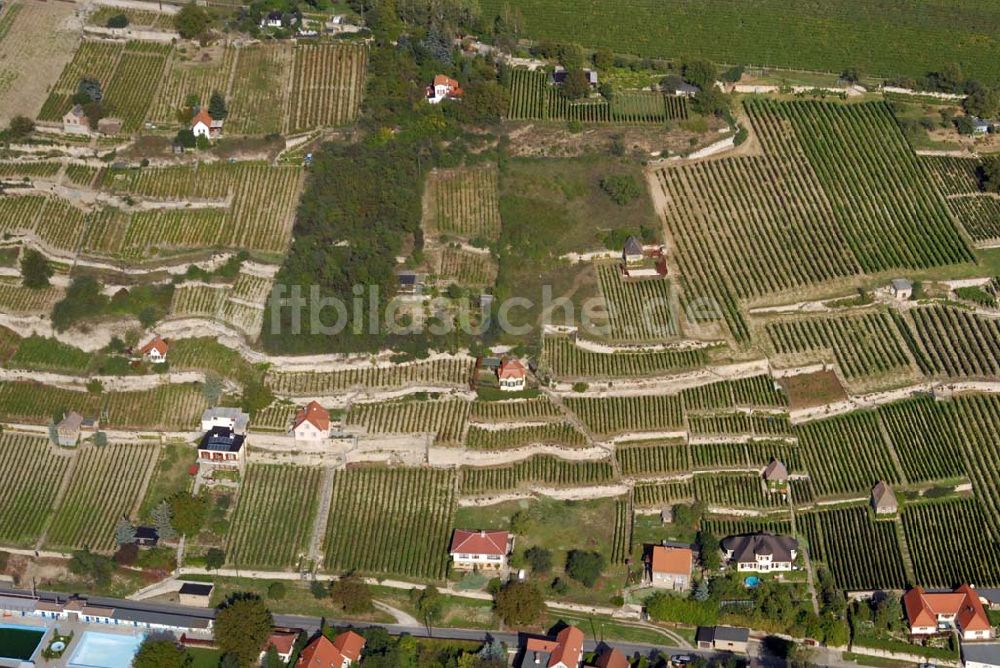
[403,618]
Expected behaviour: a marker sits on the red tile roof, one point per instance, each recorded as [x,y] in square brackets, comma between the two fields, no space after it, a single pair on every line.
[479,542]
[350,645]
[510,368]
[320,653]
[202,117]
[569,647]
[922,609]
[611,658]
[282,641]
[672,560]
[318,416]
[443,80]
[156,344]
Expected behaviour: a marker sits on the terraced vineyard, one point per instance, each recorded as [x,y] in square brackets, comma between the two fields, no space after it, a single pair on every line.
[638,310]
[30,475]
[258,102]
[533,97]
[621,541]
[395,521]
[846,454]
[556,433]
[566,359]
[614,415]
[760,453]
[722,527]
[137,18]
[167,408]
[517,409]
[936,532]
[444,418]
[859,553]
[980,216]
[924,437]
[955,176]
[466,268]
[864,346]
[327,83]
[735,491]
[34,403]
[94,59]
[276,417]
[660,494]
[537,470]
[206,72]
[756,424]
[18,300]
[464,202]
[115,474]
[454,372]
[44,354]
[958,343]
[837,192]
[719,455]
[198,300]
[54,221]
[977,420]
[132,88]
[273,517]
[640,458]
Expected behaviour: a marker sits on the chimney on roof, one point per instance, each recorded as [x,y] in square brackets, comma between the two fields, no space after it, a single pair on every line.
[482,533]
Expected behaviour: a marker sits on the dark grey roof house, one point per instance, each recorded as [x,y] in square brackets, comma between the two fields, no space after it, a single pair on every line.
[761,551]
[723,638]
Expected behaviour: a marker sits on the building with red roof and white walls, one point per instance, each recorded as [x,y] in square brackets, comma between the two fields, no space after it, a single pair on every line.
[566,651]
[511,375]
[342,652]
[443,88]
[155,351]
[937,612]
[311,423]
[480,549]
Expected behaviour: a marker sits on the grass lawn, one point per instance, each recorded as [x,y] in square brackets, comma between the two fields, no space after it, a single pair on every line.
[558,526]
[877,661]
[171,475]
[551,207]
[458,612]
[205,658]
[648,530]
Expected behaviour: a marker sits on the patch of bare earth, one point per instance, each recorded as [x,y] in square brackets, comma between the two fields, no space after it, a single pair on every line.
[554,140]
[812,389]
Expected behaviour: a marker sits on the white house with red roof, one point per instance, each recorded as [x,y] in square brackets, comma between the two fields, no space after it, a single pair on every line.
[511,375]
[937,612]
[480,549]
[311,423]
[670,567]
[566,651]
[283,642]
[201,124]
[155,351]
[443,88]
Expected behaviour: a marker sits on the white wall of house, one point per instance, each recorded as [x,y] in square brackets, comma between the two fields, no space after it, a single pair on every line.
[478,560]
[199,129]
[307,431]
[512,384]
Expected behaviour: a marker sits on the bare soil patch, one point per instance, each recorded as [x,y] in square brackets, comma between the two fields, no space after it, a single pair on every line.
[554,140]
[812,389]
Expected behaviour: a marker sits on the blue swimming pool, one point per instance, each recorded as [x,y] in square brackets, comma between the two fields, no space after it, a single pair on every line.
[19,642]
[751,581]
[104,650]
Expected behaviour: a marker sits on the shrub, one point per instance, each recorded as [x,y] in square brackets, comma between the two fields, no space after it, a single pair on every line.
[276,590]
[118,21]
[622,188]
[35,269]
[519,603]
[584,567]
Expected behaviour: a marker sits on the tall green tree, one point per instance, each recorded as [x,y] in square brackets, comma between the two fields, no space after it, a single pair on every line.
[519,603]
[35,269]
[217,106]
[242,625]
[584,566]
[158,651]
[188,513]
[191,21]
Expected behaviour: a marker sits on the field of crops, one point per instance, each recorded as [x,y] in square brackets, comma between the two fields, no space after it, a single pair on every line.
[923,435]
[44,354]
[167,408]
[638,310]
[660,494]
[208,71]
[958,343]
[722,526]
[955,176]
[276,417]
[316,383]
[860,553]
[273,517]
[756,424]
[761,452]
[30,475]
[556,433]
[864,345]
[132,88]
[19,170]
[777,33]
[538,470]
[395,521]
[719,455]
[977,419]
[327,83]
[137,18]
[846,454]
[93,59]
[464,202]
[621,540]
[838,191]
[565,359]
[115,474]
[937,532]
[614,415]
[257,104]
[980,216]
[466,268]
[18,300]
[207,354]
[198,300]
[517,409]
[653,458]
[444,418]
[34,403]
[533,97]
[54,221]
